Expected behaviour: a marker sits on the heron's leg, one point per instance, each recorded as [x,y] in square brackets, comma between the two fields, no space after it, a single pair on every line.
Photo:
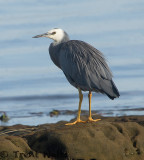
[79,109]
[80,103]
[90,117]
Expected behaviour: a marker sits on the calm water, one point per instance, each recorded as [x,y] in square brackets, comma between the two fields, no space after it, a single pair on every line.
[30,83]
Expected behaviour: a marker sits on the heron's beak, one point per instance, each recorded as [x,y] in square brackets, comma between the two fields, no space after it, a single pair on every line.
[42,35]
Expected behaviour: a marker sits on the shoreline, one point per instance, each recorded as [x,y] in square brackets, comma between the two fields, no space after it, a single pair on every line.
[56,115]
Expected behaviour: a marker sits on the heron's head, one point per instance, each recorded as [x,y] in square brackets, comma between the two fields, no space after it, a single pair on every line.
[57,34]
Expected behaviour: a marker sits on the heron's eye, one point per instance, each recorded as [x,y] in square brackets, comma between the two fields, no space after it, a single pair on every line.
[53,33]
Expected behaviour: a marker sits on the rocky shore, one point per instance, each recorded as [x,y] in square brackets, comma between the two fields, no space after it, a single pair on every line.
[112,138]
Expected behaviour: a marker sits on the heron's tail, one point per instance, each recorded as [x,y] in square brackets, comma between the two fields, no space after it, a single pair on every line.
[109,88]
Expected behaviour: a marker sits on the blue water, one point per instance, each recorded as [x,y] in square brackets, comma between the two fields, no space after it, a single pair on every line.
[31,83]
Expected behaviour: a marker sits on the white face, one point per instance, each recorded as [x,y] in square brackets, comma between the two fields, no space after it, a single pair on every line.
[55,34]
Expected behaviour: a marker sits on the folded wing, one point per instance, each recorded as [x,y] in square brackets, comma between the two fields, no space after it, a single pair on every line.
[85,67]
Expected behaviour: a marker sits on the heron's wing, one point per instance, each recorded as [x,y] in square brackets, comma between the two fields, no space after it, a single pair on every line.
[83,65]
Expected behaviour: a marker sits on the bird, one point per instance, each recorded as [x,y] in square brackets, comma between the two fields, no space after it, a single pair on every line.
[84,67]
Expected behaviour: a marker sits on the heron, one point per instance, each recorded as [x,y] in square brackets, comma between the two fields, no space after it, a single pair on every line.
[83,65]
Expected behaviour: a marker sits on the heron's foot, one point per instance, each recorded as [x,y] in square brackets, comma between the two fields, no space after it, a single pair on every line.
[75,122]
[92,120]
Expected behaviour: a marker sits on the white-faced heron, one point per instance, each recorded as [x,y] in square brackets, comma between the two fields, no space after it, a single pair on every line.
[83,65]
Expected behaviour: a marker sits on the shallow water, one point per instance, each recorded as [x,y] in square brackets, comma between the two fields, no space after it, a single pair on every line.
[31,83]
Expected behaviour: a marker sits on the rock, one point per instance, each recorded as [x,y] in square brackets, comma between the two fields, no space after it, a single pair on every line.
[16,148]
[112,138]
[102,140]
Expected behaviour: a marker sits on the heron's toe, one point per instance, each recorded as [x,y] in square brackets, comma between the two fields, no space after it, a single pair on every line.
[92,120]
[75,122]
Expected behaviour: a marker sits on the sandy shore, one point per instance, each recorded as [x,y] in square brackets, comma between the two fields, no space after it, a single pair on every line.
[112,138]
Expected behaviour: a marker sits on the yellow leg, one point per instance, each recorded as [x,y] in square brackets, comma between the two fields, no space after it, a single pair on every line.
[90,117]
[79,109]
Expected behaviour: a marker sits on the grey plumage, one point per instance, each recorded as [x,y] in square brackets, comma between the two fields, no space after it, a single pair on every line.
[83,65]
